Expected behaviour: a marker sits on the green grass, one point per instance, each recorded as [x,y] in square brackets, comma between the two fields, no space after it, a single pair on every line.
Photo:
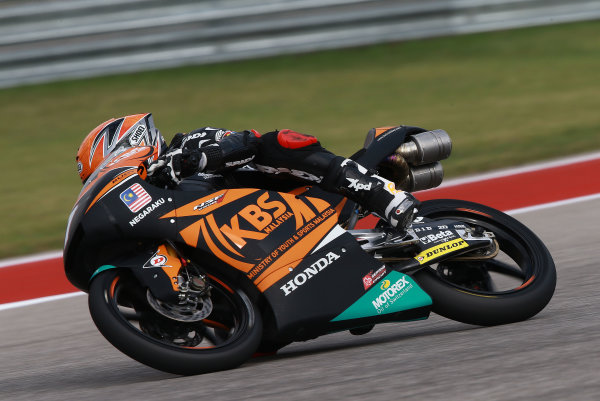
[506,98]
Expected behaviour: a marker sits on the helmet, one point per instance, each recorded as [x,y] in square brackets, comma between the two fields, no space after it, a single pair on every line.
[120,133]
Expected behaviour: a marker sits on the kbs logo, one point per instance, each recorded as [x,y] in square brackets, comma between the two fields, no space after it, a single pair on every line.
[308,273]
[265,216]
[440,250]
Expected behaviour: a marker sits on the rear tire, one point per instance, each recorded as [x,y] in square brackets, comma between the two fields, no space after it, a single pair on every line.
[480,304]
[223,340]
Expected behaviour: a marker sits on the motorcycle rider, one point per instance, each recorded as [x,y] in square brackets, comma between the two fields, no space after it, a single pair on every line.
[195,160]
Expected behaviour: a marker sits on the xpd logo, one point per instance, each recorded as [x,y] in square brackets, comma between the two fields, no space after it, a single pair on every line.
[354,184]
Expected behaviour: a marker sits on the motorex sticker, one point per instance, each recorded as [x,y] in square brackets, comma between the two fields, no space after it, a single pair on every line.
[395,293]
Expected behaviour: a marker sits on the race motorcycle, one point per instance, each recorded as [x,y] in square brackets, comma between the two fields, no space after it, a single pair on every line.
[188,282]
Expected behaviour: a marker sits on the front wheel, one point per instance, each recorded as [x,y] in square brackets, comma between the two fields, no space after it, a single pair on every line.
[513,286]
[223,339]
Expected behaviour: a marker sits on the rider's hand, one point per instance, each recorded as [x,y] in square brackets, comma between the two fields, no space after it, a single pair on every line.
[176,165]
[184,162]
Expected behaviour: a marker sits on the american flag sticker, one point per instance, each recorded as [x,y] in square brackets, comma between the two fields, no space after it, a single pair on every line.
[135,197]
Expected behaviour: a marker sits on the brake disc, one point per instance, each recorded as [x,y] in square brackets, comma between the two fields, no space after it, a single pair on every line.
[191,309]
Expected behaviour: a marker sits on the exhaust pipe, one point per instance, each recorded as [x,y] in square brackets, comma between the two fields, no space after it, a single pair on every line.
[426,147]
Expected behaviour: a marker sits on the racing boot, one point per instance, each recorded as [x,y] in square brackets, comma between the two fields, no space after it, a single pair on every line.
[375,193]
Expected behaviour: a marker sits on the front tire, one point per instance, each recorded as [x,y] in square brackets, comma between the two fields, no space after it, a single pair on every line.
[465,291]
[223,340]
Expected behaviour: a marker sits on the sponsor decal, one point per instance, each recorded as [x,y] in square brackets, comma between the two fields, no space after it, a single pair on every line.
[281,249]
[157,260]
[440,250]
[239,162]
[354,184]
[210,202]
[392,188]
[137,135]
[127,155]
[222,134]
[266,215]
[402,293]
[189,137]
[296,173]
[389,132]
[146,212]
[135,197]
[372,277]
[308,273]
[441,236]
[391,293]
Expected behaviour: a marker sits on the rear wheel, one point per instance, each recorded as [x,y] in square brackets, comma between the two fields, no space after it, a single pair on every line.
[174,340]
[514,285]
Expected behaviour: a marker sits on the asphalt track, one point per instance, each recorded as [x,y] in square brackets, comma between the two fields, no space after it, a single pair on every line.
[52,350]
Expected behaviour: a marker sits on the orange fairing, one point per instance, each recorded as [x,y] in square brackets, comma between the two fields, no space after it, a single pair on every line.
[292,257]
[166,258]
[305,221]
[381,130]
[209,203]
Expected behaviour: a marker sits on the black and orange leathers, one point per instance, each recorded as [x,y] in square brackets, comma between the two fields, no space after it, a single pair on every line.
[283,152]
[285,244]
[293,155]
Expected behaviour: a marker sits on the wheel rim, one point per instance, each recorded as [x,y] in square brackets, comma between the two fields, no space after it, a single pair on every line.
[509,272]
[226,324]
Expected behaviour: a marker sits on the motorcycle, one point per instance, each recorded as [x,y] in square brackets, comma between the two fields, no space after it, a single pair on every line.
[188,282]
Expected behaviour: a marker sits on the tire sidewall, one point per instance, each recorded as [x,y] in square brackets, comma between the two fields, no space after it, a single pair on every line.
[172,359]
[473,308]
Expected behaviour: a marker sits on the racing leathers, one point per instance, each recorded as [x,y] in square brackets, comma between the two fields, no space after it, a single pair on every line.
[195,160]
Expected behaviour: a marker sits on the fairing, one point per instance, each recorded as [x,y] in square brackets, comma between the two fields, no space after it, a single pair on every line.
[288,246]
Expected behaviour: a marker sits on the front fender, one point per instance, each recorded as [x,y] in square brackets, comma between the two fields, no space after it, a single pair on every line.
[156,270]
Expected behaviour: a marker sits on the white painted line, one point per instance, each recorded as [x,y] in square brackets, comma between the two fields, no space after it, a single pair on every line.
[28,302]
[553,204]
[30,259]
[447,183]
[519,170]
[35,301]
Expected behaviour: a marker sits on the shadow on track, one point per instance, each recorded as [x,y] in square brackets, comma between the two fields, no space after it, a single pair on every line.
[366,340]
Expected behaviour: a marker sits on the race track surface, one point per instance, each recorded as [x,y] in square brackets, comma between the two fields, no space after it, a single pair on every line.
[52,351]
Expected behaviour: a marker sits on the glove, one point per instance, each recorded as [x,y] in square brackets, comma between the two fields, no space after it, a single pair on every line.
[176,165]
[184,162]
